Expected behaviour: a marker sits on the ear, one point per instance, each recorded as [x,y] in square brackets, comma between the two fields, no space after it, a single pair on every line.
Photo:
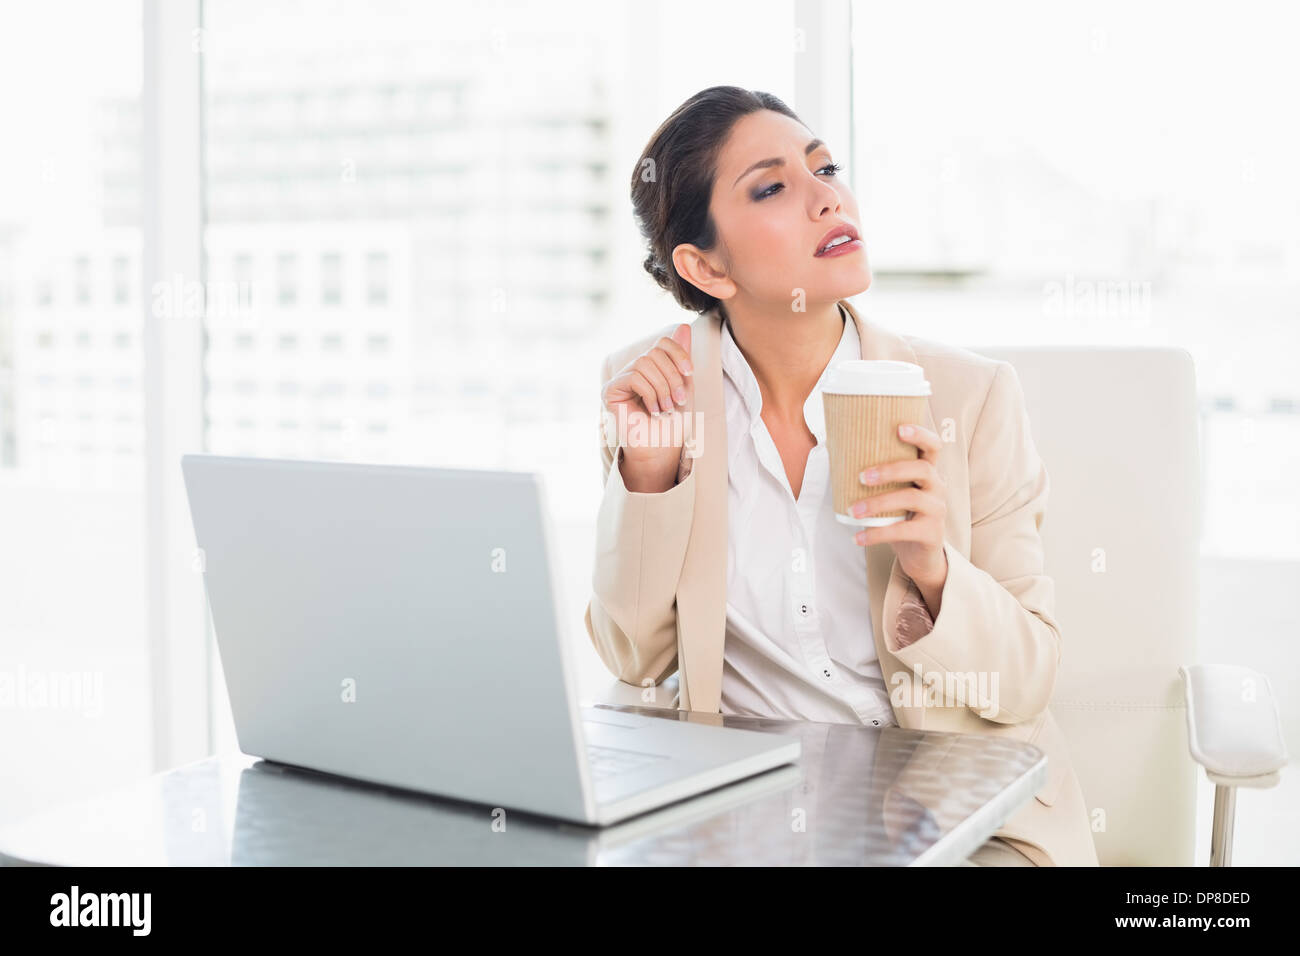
[702,270]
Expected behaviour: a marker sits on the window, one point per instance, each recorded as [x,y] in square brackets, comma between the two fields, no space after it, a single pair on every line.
[286,264]
[82,280]
[377,278]
[331,278]
[121,280]
[345,182]
[1086,206]
[243,269]
[72,503]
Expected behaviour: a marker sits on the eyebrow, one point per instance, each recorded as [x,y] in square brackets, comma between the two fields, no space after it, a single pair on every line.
[776,161]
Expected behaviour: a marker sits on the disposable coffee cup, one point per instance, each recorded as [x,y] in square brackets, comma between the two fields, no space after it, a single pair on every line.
[865,402]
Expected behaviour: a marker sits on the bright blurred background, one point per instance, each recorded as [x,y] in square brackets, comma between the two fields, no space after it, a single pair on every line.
[412,225]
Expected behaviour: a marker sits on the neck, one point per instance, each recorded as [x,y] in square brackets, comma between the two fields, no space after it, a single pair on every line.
[787,351]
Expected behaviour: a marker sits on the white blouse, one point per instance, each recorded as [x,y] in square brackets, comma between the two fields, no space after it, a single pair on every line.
[799,637]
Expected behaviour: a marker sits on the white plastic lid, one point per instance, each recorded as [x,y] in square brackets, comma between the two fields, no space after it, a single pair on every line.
[876,377]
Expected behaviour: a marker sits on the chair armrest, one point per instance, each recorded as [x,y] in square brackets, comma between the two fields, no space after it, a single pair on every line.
[1234,730]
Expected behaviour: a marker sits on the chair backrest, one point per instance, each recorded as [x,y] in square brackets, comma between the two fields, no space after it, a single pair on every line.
[1118,430]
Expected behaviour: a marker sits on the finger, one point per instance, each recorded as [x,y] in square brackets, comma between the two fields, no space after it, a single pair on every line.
[682,336]
[904,499]
[644,390]
[923,438]
[663,391]
[920,470]
[672,375]
[679,351]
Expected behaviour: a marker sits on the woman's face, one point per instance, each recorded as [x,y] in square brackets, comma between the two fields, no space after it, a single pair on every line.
[773,218]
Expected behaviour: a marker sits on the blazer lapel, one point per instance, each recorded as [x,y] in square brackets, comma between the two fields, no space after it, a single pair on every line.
[702,594]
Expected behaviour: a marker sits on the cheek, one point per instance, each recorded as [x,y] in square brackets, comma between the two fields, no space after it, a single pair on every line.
[761,242]
[783,238]
[766,230]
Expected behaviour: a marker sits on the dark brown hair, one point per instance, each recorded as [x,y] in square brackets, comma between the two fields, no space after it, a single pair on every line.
[673,181]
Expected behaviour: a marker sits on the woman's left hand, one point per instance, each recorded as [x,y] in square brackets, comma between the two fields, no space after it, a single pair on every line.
[917,541]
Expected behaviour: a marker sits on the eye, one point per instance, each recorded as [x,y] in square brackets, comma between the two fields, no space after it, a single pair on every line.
[772,189]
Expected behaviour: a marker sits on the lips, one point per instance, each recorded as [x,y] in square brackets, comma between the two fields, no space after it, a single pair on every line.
[854,242]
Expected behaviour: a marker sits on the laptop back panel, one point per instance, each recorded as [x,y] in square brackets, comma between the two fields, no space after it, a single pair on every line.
[394,624]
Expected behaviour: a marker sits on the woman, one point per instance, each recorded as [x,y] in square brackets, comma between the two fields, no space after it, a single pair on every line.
[718,556]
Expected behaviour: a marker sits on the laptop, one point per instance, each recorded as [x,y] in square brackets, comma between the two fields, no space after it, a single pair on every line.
[399,625]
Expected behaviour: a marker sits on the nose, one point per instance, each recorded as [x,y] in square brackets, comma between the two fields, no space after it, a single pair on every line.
[826,198]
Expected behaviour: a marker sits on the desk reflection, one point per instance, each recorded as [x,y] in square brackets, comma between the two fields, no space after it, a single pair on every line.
[859,796]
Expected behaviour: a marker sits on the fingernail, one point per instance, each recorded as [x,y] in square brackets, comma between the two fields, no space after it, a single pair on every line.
[905,431]
[679,394]
[687,369]
[857,509]
[869,476]
[861,537]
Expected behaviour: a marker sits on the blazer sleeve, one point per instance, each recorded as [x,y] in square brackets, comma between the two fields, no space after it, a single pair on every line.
[996,613]
[641,541]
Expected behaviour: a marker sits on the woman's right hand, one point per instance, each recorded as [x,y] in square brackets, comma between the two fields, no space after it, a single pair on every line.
[642,401]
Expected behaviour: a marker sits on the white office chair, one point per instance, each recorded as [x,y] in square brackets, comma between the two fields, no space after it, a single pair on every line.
[1118,431]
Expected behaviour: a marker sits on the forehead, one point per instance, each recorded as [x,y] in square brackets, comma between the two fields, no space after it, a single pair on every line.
[760,135]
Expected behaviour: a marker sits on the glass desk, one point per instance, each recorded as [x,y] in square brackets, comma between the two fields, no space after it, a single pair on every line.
[859,796]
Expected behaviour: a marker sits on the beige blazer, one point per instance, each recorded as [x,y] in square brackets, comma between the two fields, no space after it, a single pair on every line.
[659,586]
